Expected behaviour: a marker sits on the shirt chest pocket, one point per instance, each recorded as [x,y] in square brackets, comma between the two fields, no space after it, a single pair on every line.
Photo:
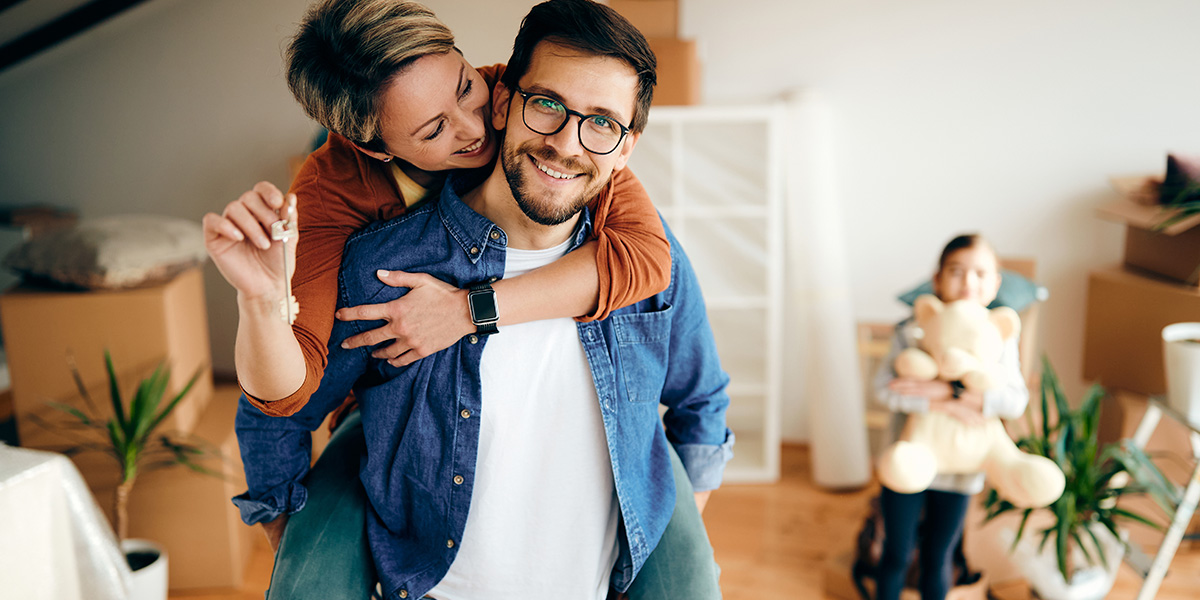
[643,344]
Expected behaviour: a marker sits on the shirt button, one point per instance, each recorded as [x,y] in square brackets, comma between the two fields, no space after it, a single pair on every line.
[403,593]
[449,543]
[495,234]
[474,250]
[492,280]
[458,480]
[466,414]
[474,339]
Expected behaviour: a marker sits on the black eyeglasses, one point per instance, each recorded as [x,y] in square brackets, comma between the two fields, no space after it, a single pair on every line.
[598,134]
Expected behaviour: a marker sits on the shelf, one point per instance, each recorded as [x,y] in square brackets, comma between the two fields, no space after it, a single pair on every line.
[715,174]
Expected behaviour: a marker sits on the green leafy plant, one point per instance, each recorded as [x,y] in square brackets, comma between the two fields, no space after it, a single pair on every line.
[1096,478]
[1182,201]
[129,432]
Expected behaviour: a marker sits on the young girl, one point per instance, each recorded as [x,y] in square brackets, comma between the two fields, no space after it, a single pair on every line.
[967,270]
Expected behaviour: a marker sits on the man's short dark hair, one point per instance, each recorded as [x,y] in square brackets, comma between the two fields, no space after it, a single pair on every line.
[588,27]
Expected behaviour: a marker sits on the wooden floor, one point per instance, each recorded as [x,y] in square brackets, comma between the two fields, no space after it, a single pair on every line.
[773,543]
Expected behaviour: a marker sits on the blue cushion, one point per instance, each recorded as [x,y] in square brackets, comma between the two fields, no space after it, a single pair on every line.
[1016,292]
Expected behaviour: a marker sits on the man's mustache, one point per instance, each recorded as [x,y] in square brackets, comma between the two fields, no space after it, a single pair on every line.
[548,155]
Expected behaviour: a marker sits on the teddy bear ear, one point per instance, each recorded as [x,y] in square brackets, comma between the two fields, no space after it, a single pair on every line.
[927,306]
[1006,320]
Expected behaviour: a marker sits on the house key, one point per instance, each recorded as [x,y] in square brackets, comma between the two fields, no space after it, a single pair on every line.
[283,230]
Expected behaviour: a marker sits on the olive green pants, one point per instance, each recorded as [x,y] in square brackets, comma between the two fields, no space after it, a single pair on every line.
[324,553]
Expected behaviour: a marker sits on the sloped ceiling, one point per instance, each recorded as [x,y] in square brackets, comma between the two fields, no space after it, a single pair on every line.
[30,26]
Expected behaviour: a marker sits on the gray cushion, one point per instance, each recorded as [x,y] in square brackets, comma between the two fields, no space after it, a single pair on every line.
[111,252]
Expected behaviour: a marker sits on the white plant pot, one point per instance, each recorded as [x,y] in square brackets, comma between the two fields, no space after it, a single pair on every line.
[150,581]
[1089,582]
[1181,357]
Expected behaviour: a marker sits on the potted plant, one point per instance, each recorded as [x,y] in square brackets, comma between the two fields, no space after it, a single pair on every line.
[1083,522]
[129,434]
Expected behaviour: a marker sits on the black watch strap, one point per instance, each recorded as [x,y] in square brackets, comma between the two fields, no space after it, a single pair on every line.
[481,299]
[957,389]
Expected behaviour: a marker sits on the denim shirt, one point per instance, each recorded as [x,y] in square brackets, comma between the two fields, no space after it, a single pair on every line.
[422,421]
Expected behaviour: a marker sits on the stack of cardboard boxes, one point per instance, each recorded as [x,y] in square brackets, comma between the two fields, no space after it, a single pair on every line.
[187,512]
[1128,306]
[678,62]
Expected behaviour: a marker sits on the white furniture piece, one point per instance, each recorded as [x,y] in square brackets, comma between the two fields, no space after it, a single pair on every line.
[1153,569]
[56,543]
[716,175]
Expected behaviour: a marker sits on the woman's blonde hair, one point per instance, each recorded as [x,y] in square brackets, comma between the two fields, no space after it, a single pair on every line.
[347,51]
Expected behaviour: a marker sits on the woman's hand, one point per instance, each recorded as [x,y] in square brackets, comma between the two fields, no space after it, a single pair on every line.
[431,317]
[239,242]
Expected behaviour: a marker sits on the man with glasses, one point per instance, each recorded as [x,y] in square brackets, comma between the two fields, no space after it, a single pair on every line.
[532,462]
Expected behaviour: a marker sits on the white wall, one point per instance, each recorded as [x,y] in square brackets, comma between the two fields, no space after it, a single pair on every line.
[173,107]
[952,116]
[949,116]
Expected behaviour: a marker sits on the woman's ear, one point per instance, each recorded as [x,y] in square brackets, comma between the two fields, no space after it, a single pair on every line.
[501,96]
[376,155]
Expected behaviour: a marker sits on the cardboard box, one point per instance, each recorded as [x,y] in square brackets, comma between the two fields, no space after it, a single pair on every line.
[1173,252]
[1126,312]
[140,327]
[190,513]
[654,18]
[678,72]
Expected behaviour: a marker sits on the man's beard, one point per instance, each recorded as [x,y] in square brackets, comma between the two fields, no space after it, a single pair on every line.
[547,209]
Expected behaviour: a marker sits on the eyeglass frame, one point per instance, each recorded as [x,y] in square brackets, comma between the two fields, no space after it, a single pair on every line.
[568,113]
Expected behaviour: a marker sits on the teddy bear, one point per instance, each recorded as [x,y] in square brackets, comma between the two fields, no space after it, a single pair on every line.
[962,341]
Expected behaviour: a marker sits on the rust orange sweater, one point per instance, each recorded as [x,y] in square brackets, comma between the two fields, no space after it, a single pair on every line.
[340,190]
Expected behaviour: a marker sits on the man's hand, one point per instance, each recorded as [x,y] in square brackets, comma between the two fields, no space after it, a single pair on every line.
[935,390]
[239,242]
[274,531]
[702,500]
[431,317]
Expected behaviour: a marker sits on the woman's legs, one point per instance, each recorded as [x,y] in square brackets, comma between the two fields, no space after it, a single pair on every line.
[682,564]
[944,516]
[901,515]
[324,552]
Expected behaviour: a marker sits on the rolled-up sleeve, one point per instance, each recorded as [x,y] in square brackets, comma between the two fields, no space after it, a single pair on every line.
[276,454]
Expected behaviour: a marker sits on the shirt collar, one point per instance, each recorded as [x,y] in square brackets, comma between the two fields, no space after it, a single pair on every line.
[473,231]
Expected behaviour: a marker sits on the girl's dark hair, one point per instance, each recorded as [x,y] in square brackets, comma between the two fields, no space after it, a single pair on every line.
[962,242]
[588,27]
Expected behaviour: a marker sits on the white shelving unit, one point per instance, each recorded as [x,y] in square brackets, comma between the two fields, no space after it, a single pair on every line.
[716,174]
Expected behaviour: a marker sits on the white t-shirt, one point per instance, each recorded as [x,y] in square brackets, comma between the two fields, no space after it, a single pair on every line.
[543,518]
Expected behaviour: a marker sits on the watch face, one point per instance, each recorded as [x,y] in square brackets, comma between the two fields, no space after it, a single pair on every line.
[483,306]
